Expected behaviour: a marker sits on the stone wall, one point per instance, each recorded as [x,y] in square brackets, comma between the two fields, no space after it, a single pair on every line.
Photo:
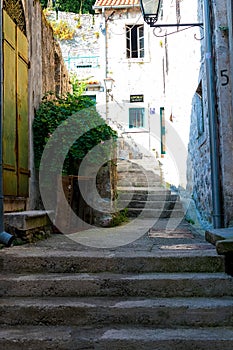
[224,99]
[199,170]
[55,76]
[47,73]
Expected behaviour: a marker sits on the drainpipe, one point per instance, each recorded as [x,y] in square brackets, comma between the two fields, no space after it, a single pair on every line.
[214,149]
[230,26]
[106,62]
[5,238]
[105,42]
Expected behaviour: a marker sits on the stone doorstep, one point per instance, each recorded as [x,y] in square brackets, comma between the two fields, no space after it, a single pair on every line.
[222,238]
[112,337]
[27,220]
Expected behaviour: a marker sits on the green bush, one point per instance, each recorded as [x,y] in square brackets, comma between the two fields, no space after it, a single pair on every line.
[52,112]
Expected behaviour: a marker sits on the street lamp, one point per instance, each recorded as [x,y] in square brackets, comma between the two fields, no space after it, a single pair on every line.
[108,82]
[150,10]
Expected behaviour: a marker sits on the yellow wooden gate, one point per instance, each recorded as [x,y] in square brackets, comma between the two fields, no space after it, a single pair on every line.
[15,110]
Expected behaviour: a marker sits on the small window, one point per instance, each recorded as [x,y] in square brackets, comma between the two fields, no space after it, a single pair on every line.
[162,131]
[199,110]
[136,117]
[135,41]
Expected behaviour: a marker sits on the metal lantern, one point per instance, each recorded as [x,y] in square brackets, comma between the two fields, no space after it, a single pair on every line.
[108,82]
[150,10]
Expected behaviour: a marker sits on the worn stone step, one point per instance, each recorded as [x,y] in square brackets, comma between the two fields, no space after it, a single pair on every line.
[48,261]
[136,183]
[162,205]
[46,338]
[155,213]
[160,312]
[146,165]
[107,284]
[115,338]
[167,339]
[160,196]
[144,190]
[130,167]
[140,176]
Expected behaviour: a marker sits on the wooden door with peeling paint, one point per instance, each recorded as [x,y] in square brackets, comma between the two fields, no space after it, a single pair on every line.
[15,110]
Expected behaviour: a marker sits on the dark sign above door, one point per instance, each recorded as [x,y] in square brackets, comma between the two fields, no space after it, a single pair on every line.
[136,98]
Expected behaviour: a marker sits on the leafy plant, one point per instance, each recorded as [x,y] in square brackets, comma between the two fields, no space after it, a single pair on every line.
[71,6]
[52,112]
[119,218]
[62,30]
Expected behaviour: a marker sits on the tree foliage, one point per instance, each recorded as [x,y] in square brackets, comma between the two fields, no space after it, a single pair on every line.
[52,112]
[78,6]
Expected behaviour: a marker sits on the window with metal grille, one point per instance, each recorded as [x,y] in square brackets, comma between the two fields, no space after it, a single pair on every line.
[136,117]
[135,41]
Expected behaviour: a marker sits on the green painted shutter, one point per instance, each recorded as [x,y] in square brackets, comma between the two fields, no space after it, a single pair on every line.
[15,110]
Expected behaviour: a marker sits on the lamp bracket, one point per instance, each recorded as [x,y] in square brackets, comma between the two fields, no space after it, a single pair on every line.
[177,25]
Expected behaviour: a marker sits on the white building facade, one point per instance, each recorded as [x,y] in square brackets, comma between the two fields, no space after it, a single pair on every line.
[159,92]
[155,74]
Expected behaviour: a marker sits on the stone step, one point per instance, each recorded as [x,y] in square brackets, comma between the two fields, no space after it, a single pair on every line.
[93,262]
[115,338]
[173,312]
[138,174]
[154,213]
[162,285]
[160,196]
[139,177]
[130,167]
[162,205]
[138,183]
[168,339]
[144,190]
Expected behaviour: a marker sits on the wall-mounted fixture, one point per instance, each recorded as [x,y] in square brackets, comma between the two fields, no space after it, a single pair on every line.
[150,10]
[108,82]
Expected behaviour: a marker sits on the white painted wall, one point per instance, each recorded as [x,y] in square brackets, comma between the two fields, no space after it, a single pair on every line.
[146,76]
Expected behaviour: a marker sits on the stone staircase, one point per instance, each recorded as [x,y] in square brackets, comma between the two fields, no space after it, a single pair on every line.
[68,297]
[167,290]
[143,192]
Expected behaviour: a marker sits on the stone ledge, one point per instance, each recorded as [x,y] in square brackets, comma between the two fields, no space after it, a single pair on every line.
[26,220]
[224,247]
[221,234]
[222,239]
[28,226]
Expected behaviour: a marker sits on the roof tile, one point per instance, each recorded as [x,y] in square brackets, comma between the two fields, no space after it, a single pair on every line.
[110,3]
